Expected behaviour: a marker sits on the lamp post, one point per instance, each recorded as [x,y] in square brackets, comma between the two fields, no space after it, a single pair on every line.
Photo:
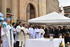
[1,20]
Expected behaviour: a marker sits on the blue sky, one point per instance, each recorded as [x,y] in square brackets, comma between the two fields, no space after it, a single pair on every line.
[64,2]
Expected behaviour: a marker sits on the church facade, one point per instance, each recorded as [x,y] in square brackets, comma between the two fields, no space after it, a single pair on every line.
[22,10]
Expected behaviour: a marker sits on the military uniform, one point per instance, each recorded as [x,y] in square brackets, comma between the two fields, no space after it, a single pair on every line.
[66,32]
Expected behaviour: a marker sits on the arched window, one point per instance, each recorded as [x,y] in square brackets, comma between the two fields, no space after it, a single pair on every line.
[30,11]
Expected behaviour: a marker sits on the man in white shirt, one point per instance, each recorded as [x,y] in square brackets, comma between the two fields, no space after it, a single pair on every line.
[37,32]
[31,31]
[42,32]
[20,35]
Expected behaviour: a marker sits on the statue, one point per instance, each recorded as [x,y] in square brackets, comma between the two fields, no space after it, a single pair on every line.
[62,10]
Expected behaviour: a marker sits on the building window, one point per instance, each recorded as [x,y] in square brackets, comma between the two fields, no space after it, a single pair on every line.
[67,10]
[8,13]
[66,15]
[8,10]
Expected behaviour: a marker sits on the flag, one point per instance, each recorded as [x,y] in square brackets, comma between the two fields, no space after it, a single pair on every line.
[11,21]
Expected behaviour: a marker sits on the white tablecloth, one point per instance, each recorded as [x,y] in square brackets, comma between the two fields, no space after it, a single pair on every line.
[43,43]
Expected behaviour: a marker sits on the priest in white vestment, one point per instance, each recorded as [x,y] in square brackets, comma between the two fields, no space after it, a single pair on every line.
[31,32]
[37,32]
[11,34]
[7,39]
[42,32]
[20,35]
[14,32]
[5,35]
[26,32]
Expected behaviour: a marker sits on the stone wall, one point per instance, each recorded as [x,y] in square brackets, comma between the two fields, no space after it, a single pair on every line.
[42,7]
[3,7]
[0,5]
[9,4]
[52,5]
[23,8]
[14,10]
[19,8]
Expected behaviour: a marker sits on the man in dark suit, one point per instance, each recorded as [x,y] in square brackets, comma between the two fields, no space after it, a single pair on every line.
[48,32]
[54,32]
[45,32]
[59,30]
[65,32]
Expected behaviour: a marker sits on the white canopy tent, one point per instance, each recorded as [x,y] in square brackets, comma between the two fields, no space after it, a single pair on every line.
[52,18]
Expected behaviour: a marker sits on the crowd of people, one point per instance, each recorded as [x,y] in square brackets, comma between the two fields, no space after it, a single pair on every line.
[27,33]
[12,34]
[57,32]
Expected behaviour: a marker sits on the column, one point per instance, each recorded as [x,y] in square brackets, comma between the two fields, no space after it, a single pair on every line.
[4,6]
[14,10]
[40,7]
[44,7]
